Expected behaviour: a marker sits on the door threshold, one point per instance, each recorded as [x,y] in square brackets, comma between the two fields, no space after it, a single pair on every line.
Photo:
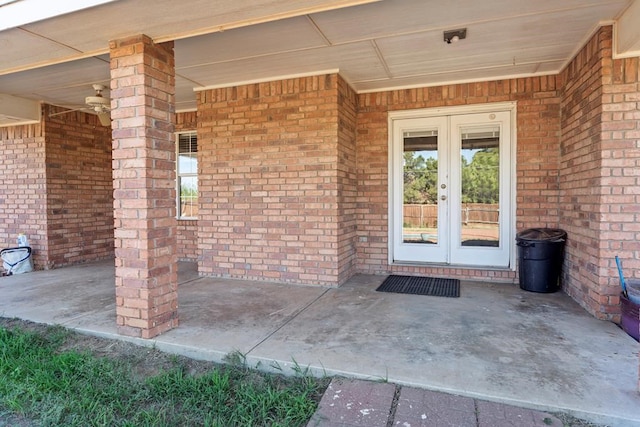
[451,266]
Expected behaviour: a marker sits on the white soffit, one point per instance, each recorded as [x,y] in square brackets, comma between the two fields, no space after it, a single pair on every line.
[526,44]
[627,35]
[89,30]
[16,13]
[20,48]
[185,98]
[359,58]
[56,78]
[14,110]
[395,17]
[446,78]
[388,44]
[258,40]
[551,67]
[70,96]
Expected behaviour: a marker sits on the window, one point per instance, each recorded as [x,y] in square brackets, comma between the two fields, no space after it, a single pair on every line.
[187,175]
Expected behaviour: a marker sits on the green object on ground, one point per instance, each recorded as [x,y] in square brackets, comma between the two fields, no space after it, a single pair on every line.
[49,385]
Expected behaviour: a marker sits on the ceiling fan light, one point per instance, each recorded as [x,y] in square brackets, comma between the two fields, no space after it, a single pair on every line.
[96,101]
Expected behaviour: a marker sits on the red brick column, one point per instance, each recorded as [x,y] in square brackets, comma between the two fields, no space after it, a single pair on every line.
[143,116]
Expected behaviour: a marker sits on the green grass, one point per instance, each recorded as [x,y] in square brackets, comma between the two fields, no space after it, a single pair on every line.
[52,387]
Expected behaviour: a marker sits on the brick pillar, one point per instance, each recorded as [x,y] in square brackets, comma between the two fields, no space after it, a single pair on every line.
[143,117]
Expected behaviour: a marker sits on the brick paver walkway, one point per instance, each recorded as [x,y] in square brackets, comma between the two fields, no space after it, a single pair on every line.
[348,403]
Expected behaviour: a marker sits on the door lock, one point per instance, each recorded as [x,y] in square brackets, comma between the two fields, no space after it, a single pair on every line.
[443,197]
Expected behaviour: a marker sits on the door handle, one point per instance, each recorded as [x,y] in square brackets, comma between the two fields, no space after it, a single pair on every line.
[443,197]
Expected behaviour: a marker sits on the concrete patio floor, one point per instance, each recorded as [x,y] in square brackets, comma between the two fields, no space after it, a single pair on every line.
[496,342]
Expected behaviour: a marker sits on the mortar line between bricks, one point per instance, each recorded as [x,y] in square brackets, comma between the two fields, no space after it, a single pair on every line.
[287,321]
[475,407]
[394,406]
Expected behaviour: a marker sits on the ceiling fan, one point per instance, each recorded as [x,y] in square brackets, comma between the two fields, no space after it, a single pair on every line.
[96,104]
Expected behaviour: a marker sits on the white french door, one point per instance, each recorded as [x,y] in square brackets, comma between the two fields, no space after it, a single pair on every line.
[451,189]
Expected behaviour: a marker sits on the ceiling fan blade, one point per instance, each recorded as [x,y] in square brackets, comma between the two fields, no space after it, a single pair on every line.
[59,113]
[105,118]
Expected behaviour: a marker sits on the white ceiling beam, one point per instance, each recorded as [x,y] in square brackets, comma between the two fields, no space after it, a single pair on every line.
[627,32]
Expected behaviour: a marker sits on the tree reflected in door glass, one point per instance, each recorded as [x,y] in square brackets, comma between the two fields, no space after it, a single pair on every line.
[480,175]
[420,188]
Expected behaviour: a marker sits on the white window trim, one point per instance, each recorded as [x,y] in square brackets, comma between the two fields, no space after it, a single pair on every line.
[178,175]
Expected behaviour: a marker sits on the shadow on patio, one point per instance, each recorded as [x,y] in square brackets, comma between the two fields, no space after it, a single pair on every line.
[495,342]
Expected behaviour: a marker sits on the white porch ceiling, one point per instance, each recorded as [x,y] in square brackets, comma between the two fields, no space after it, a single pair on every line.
[375,45]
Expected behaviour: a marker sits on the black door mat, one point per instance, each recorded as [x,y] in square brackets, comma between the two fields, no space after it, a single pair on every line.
[431,286]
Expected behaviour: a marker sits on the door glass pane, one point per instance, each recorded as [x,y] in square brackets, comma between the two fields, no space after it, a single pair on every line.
[420,204]
[480,185]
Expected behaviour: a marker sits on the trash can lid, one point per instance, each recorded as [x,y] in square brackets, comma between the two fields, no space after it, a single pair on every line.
[545,234]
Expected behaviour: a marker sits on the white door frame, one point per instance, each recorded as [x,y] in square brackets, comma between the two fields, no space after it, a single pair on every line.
[449,111]
[438,252]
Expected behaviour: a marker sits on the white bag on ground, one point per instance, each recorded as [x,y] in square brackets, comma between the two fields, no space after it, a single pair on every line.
[17,260]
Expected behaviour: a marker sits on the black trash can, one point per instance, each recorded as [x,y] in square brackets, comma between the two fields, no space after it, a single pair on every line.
[540,257]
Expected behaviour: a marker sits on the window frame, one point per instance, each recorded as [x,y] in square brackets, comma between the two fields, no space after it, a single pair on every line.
[180,175]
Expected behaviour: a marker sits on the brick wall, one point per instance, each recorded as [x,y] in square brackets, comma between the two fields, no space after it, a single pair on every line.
[144,154]
[538,130]
[187,230]
[270,160]
[621,175]
[580,171]
[187,240]
[23,189]
[347,181]
[75,222]
[79,188]
[599,177]
[620,202]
